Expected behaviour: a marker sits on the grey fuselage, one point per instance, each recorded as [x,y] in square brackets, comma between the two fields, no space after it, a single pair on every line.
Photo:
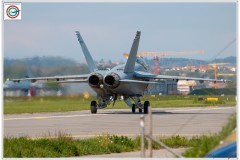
[125,89]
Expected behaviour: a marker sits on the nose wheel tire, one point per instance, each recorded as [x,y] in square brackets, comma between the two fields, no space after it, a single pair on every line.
[133,108]
[140,110]
[93,107]
[145,106]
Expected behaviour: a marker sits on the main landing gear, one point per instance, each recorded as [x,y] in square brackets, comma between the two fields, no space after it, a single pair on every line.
[133,108]
[145,107]
[141,107]
[93,107]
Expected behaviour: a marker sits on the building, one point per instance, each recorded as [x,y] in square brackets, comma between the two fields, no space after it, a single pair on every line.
[185,87]
[162,88]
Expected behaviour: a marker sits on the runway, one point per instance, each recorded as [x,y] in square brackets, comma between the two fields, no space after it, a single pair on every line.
[81,124]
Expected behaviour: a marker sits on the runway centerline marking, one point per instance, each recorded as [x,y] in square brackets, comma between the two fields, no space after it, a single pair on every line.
[49,117]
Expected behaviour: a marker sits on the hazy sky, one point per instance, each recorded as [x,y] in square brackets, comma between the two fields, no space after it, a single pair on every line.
[47,29]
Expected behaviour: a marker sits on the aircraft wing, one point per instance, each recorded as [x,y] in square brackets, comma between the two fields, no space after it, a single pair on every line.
[79,78]
[137,81]
[140,74]
[73,81]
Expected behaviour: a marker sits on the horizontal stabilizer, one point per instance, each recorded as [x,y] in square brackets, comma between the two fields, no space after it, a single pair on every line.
[130,65]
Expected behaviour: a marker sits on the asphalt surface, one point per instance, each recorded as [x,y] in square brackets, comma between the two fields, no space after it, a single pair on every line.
[81,124]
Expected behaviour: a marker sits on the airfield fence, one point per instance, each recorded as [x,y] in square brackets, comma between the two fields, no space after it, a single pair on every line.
[150,137]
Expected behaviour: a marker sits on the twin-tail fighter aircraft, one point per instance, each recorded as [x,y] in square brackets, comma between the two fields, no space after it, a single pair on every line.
[128,80]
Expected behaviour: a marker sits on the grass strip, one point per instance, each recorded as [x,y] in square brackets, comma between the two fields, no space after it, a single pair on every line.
[13,105]
[204,144]
[66,146]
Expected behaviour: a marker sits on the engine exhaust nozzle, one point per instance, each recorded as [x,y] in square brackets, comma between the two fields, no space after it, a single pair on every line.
[95,79]
[112,80]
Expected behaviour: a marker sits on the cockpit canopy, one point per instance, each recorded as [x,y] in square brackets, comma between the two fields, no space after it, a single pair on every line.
[142,62]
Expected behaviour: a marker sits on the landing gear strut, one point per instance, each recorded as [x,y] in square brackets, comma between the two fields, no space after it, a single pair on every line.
[93,107]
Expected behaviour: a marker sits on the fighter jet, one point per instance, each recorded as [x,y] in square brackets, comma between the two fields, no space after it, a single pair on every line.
[128,80]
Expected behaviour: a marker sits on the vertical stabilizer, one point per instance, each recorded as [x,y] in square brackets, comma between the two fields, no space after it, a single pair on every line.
[129,67]
[91,65]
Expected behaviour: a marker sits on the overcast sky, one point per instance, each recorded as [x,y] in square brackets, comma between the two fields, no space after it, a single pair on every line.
[47,29]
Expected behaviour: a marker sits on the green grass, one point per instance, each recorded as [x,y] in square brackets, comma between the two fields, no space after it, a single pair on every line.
[14,105]
[44,104]
[204,144]
[66,146]
[215,91]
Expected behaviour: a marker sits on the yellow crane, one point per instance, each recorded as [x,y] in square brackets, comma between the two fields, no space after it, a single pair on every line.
[216,74]
[214,65]
[226,74]
[215,68]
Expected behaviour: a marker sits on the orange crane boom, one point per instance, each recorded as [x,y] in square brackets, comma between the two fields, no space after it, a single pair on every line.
[156,56]
[170,53]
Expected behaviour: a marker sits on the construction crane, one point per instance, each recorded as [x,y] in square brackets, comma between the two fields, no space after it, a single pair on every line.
[226,74]
[161,54]
[216,74]
[157,71]
[156,56]
[215,65]
[215,68]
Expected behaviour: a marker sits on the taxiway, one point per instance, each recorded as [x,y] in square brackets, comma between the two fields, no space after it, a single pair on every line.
[81,124]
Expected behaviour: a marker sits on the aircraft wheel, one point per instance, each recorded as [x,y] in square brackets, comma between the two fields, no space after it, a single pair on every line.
[133,108]
[145,106]
[93,107]
[140,110]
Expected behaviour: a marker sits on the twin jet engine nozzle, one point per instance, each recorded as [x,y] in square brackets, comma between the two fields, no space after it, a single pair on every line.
[111,80]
